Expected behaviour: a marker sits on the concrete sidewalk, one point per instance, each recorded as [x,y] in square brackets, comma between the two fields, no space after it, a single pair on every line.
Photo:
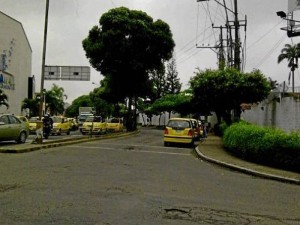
[212,150]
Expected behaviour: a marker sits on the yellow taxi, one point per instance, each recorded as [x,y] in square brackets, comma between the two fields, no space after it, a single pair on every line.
[179,130]
[24,119]
[115,125]
[94,125]
[60,125]
[32,122]
[73,123]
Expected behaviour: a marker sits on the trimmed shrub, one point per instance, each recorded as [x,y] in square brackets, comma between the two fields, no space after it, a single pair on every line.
[268,146]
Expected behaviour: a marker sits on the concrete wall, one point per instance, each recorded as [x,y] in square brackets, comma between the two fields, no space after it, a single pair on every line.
[283,114]
[164,118]
[16,48]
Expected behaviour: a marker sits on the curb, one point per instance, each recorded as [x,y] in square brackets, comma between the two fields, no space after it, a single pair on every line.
[58,143]
[246,170]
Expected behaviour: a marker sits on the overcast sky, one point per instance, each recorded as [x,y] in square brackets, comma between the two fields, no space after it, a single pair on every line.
[190,22]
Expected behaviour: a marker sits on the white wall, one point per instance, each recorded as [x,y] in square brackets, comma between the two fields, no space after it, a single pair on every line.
[284,114]
[14,42]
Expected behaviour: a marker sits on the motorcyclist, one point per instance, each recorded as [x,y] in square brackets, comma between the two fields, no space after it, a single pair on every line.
[47,125]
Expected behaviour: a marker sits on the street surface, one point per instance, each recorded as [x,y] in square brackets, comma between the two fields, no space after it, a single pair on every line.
[133,181]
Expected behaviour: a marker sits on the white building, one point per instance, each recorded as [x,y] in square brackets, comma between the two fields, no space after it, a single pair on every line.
[15,63]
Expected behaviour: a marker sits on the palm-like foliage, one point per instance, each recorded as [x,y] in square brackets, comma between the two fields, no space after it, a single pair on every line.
[291,53]
[32,105]
[55,100]
[3,99]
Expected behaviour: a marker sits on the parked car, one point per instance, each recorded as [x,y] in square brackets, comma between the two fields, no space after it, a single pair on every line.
[33,124]
[94,125]
[60,125]
[179,130]
[115,125]
[197,129]
[81,119]
[12,128]
[24,119]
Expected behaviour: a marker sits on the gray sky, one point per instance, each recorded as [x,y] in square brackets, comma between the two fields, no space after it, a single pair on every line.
[70,21]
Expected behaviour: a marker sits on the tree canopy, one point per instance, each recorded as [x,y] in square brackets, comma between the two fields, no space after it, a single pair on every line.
[55,100]
[291,53]
[125,46]
[81,101]
[224,90]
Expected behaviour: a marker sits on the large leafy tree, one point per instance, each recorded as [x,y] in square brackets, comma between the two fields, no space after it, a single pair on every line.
[222,91]
[180,103]
[81,101]
[173,85]
[158,80]
[103,108]
[291,53]
[55,100]
[32,105]
[125,46]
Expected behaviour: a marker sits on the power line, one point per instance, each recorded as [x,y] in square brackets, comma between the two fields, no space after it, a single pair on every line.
[112,2]
[264,35]
[267,56]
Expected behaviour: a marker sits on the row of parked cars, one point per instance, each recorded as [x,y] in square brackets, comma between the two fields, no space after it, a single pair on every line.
[96,125]
[18,128]
[183,130]
[92,124]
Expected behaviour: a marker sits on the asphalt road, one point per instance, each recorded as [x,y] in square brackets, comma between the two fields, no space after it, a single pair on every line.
[135,180]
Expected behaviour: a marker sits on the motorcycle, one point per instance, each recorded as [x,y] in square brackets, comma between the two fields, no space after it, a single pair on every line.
[46,129]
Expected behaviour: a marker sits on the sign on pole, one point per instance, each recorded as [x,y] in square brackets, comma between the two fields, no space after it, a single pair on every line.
[52,73]
[79,73]
[75,73]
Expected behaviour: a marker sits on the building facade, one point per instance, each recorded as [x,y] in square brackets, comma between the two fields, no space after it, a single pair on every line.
[15,63]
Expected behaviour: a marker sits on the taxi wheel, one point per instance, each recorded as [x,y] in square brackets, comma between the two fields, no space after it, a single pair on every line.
[166,144]
[68,133]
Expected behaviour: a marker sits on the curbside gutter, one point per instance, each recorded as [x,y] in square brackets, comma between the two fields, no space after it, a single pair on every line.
[20,148]
[246,170]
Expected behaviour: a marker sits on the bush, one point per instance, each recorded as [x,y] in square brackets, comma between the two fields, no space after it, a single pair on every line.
[264,145]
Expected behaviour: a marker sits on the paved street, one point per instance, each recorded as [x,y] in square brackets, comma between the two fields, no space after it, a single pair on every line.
[135,180]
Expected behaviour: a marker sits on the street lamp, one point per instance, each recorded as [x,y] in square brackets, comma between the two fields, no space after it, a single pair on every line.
[291,28]
[281,14]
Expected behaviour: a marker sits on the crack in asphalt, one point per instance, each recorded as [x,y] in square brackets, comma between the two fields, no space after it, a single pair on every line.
[220,217]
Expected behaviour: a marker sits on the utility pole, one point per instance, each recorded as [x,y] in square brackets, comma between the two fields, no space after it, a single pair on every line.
[233,51]
[43,61]
[220,46]
[237,59]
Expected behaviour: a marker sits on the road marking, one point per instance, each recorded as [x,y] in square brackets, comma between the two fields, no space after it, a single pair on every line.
[130,150]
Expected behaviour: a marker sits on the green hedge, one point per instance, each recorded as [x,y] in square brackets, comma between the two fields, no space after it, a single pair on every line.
[264,145]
